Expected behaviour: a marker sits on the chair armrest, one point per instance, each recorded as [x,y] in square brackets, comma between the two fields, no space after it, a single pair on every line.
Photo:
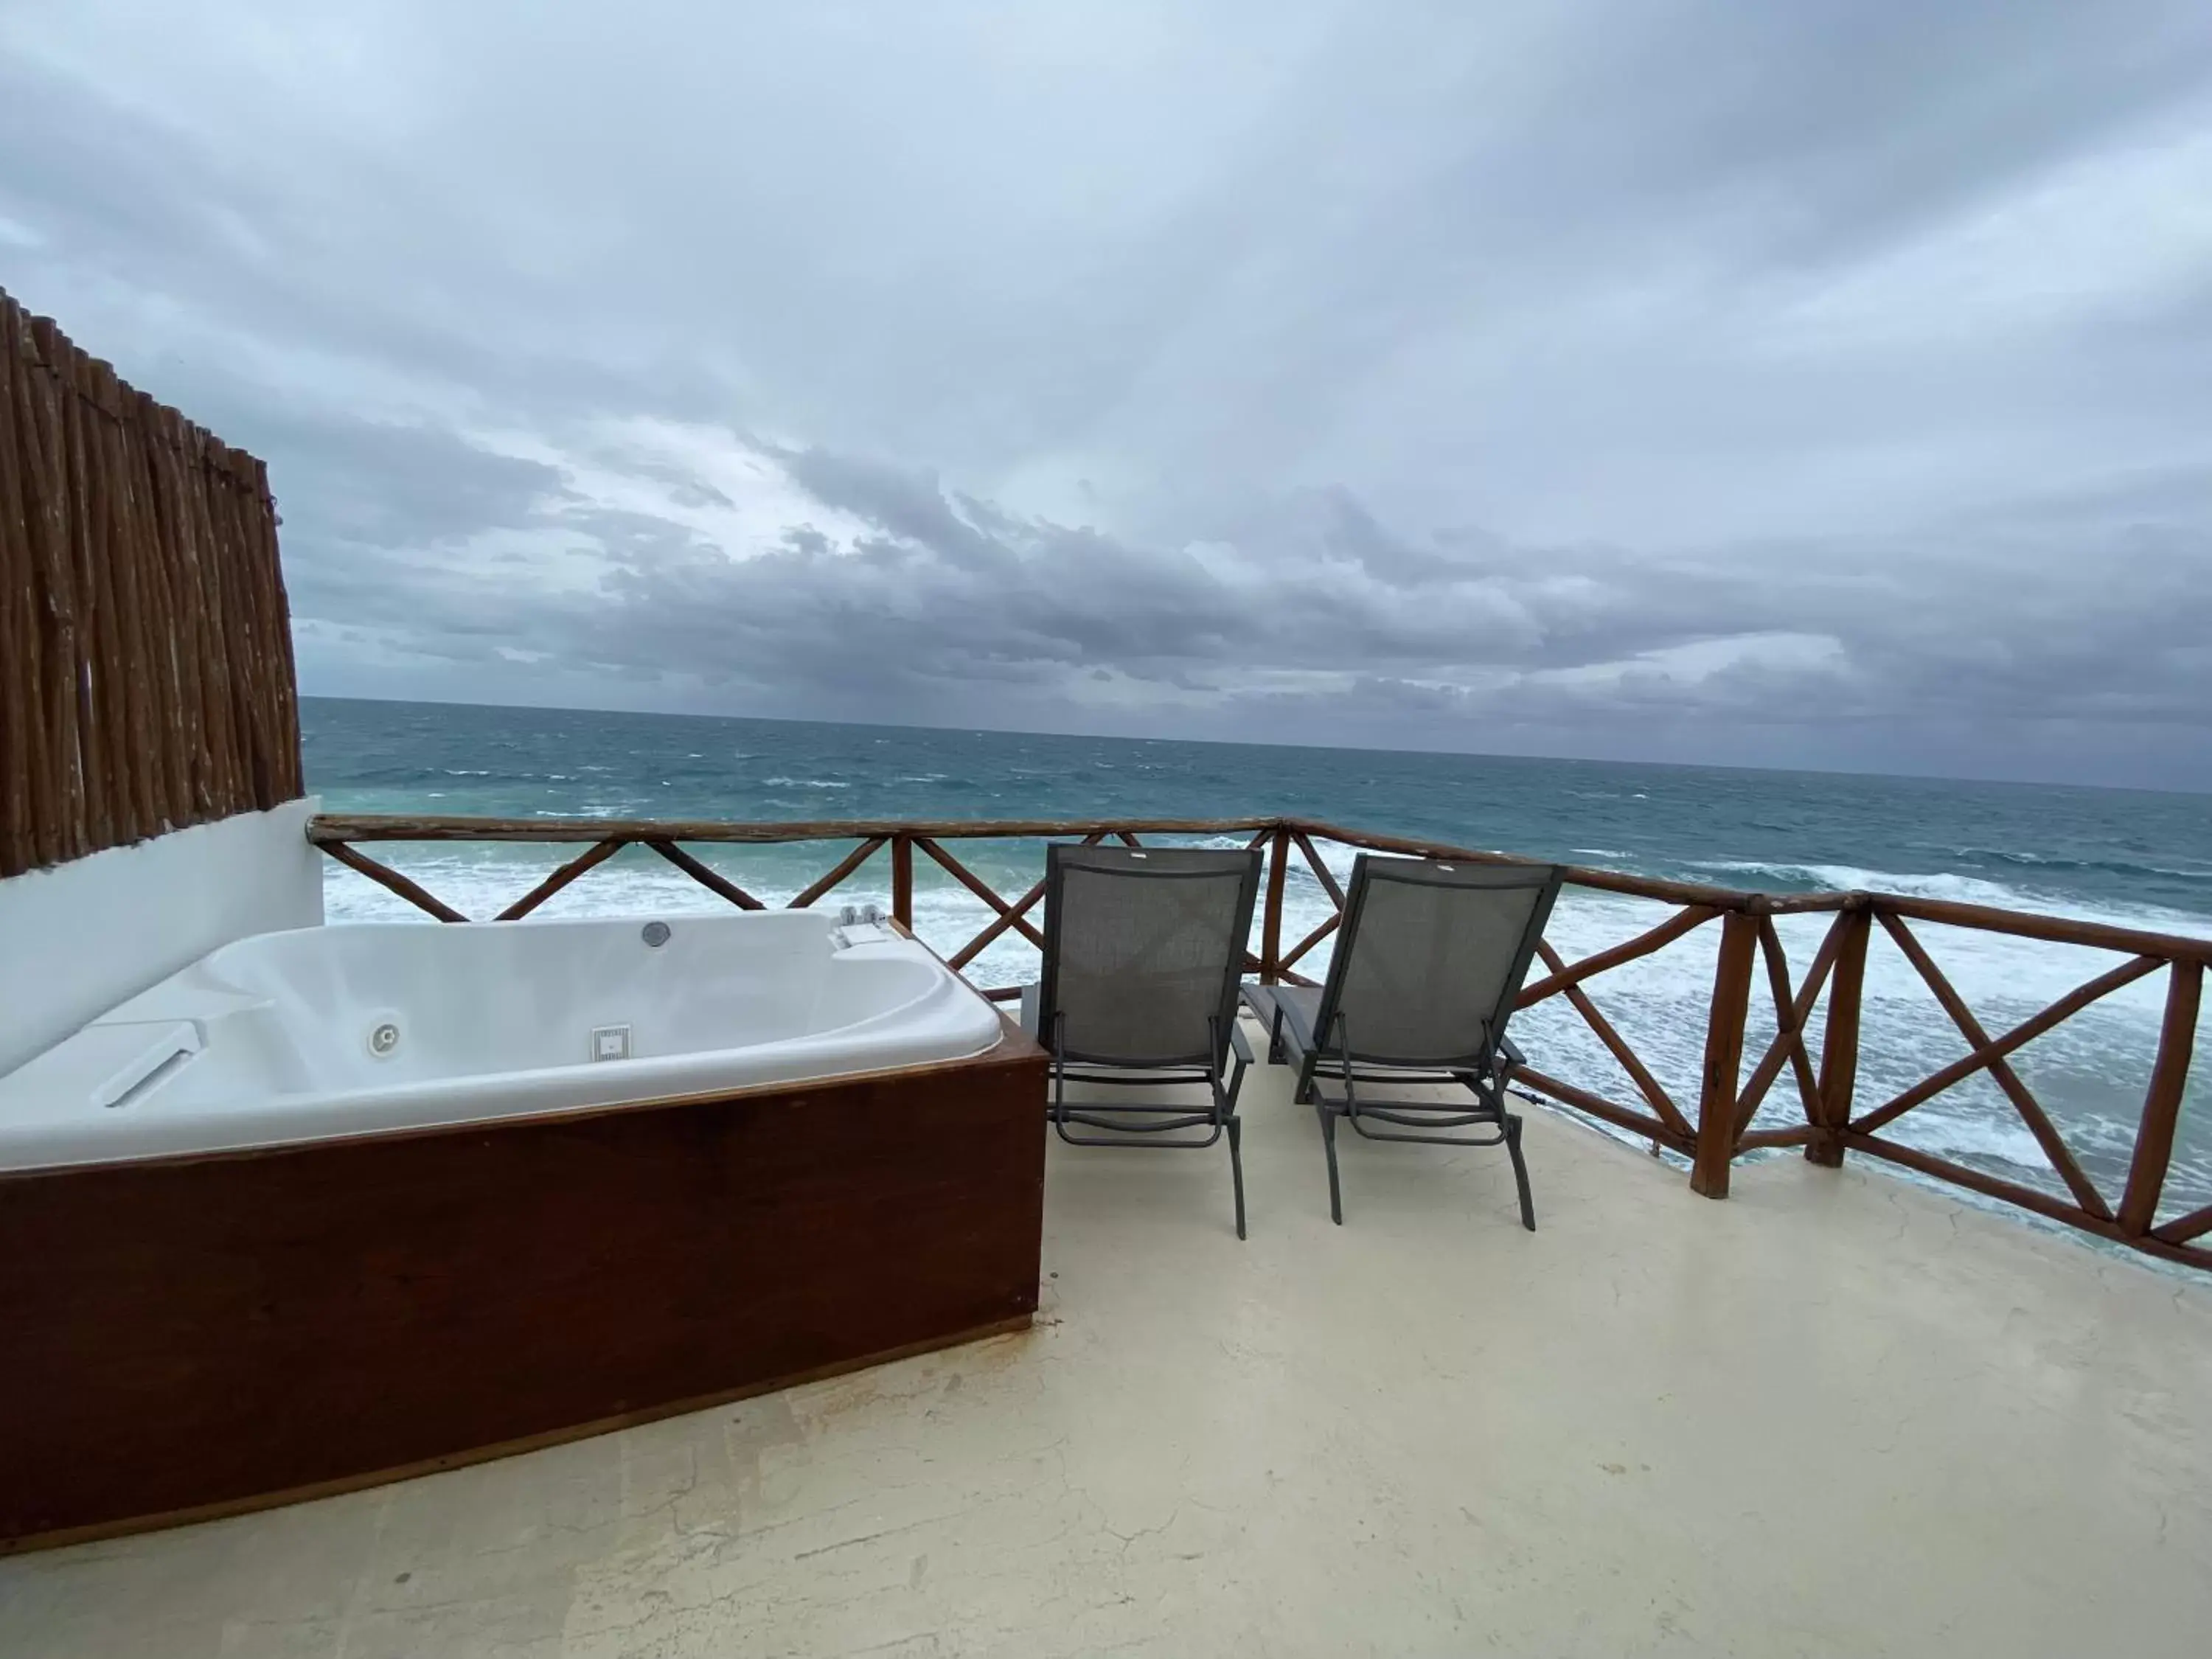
[1239,1042]
[1514,1060]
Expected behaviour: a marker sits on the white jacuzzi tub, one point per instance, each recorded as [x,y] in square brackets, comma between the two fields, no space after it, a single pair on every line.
[357,1028]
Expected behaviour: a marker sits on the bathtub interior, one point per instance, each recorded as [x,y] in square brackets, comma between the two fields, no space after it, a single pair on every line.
[331,1010]
[366,1027]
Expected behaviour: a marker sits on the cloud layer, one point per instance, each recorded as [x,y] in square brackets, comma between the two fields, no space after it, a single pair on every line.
[1823,385]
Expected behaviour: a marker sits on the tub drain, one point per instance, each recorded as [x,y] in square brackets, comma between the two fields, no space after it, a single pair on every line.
[383,1038]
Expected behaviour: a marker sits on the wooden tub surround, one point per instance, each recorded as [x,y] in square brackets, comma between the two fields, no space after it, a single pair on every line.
[190,1336]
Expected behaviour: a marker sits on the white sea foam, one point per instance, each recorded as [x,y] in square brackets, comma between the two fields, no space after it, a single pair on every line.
[1953,888]
[1844,879]
[1971,1137]
[2114,866]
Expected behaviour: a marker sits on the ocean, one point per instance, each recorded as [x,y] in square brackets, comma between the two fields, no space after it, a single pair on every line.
[2134,858]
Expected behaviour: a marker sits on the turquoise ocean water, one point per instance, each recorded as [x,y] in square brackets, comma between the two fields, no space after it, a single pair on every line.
[2135,858]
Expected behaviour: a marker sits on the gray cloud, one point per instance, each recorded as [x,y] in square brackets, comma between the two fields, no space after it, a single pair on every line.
[941,609]
[1822,383]
[398,485]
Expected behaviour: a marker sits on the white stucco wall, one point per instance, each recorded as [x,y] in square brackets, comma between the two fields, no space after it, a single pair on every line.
[77,939]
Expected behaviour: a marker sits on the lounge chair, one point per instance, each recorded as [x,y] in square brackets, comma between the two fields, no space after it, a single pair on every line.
[1428,960]
[1143,949]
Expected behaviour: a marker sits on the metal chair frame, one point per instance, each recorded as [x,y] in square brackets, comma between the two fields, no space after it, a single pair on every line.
[1127,1124]
[1327,1052]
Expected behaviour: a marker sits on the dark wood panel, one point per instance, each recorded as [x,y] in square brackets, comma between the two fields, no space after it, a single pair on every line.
[62,1537]
[196,1332]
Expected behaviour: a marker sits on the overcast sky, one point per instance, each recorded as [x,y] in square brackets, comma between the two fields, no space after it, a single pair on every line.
[1824,383]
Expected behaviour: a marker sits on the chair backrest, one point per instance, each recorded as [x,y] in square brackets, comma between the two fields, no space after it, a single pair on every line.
[1140,945]
[1431,957]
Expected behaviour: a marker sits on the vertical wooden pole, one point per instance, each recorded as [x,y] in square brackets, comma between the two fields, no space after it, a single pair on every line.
[111,540]
[2169,1077]
[261,525]
[1271,931]
[903,879]
[1839,1045]
[1709,1171]
[22,766]
[39,415]
[81,438]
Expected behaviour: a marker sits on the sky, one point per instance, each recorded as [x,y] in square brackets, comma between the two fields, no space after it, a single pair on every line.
[1825,384]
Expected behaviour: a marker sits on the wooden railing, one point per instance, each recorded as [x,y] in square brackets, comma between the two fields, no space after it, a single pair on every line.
[1712,1132]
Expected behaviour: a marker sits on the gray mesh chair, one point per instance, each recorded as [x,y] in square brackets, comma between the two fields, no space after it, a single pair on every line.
[1143,949]
[1428,963]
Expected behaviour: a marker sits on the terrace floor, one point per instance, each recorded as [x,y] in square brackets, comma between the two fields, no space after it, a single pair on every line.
[1833,1414]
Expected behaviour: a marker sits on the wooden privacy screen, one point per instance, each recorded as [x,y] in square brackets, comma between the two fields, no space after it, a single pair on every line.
[145,647]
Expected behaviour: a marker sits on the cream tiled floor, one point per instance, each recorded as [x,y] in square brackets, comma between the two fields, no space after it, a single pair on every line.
[1834,1414]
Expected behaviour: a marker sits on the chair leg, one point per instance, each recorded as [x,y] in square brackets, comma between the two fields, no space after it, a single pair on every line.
[1520,1171]
[1237,1169]
[1328,1146]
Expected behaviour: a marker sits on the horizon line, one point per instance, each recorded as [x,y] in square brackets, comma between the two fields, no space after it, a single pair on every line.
[1264,743]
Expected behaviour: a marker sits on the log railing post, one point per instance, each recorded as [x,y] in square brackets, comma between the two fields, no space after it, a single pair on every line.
[903,879]
[385,876]
[2169,1078]
[1271,930]
[598,854]
[1717,1099]
[1839,1043]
